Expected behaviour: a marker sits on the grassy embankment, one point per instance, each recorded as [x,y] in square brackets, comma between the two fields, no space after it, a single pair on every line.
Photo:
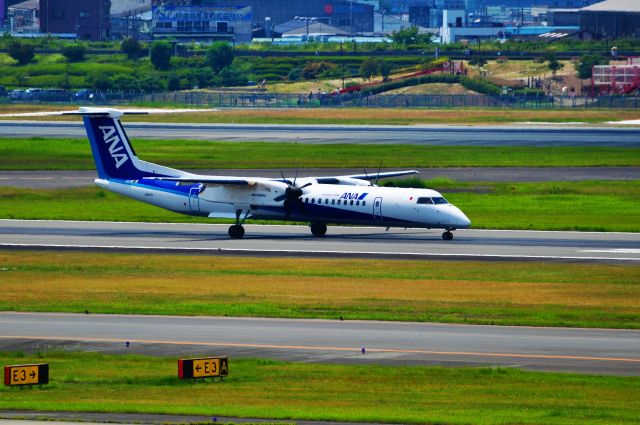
[584,206]
[540,294]
[271,389]
[393,116]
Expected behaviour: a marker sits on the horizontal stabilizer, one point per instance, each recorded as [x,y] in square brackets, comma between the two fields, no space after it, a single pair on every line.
[375,176]
[103,112]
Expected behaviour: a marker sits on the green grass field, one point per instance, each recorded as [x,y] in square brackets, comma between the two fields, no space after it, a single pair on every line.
[279,390]
[75,154]
[585,206]
[538,294]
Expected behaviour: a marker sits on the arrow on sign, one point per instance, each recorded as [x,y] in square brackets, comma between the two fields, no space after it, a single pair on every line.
[198,368]
[33,374]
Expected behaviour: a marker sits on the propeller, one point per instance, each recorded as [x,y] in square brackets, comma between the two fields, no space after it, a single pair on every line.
[378,176]
[292,194]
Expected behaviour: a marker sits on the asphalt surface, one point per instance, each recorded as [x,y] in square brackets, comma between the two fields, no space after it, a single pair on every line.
[56,179]
[341,241]
[521,135]
[598,351]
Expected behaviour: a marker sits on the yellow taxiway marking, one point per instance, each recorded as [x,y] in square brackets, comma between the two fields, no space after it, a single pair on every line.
[329,348]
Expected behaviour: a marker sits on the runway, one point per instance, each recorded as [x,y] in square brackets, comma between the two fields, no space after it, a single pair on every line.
[363,242]
[57,179]
[561,349]
[522,135]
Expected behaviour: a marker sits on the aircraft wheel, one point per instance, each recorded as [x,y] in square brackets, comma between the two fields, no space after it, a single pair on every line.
[318,229]
[236,231]
[447,236]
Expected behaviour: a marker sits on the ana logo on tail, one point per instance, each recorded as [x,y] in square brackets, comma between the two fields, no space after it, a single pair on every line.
[116,148]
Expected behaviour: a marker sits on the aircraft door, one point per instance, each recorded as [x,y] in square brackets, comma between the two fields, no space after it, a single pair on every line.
[194,201]
[377,209]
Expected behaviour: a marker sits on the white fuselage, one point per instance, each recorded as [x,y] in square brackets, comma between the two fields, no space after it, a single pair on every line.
[323,203]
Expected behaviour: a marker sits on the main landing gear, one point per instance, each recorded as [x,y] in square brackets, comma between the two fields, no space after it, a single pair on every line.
[318,229]
[237,231]
[447,236]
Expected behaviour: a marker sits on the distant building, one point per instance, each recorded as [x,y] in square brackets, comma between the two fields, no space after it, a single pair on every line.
[350,16]
[25,15]
[202,23]
[562,17]
[88,19]
[611,19]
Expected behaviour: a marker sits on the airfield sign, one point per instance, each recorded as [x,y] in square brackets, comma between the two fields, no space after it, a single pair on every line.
[207,367]
[26,374]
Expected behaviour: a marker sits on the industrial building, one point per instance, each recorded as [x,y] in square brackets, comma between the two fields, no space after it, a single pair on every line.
[349,16]
[88,20]
[611,19]
[202,23]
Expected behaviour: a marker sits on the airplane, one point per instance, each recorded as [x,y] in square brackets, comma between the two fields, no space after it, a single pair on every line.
[350,199]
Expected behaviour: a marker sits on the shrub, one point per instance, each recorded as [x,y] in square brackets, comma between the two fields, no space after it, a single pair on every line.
[22,52]
[295,74]
[131,47]
[124,82]
[173,83]
[232,77]
[74,52]
[161,55]
[151,83]
[312,70]
[219,56]
[99,80]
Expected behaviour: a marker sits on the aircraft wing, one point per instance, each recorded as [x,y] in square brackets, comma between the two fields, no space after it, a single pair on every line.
[375,176]
[209,180]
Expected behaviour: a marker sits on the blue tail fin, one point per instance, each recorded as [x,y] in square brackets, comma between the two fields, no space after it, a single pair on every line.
[112,151]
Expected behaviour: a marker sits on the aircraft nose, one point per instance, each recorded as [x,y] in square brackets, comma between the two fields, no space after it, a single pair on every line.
[462,221]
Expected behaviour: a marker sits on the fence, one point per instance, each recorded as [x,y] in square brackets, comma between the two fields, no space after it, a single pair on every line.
[284,100]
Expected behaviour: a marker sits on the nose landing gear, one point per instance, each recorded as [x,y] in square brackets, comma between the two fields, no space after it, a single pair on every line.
[447,236]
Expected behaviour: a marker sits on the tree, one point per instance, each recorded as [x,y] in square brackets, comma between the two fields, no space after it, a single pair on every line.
[219,55]
[385,69]
[152,83]
[368,68]
[410,36]
[161,55]
[131,47]
[554,66]
[22,52]
[584,65]
[125,82]
[74,52]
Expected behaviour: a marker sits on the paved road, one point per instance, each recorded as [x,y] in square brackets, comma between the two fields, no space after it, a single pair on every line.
[212,239]
[584,350]
[538,135]
[55,179]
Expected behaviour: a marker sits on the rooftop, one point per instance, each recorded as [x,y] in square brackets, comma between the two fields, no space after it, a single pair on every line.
[628,6]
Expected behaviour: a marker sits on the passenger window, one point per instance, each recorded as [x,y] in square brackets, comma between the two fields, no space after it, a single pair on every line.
[357,202]
[306,200]
[339,202]
[425,201]
[326,201]
[364,203]
[351,203]
[313,200]
[333,202]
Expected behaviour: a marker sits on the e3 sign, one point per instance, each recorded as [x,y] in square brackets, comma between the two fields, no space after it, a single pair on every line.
[209,367]
[26,374]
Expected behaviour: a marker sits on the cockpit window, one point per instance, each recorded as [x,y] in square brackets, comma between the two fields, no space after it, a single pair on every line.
[425,201]
[439,201]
